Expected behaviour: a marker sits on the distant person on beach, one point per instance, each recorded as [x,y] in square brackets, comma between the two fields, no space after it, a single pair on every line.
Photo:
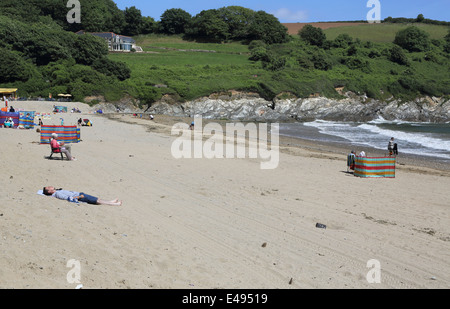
[80,122]
[61,147]
[9,123]
[40,122]
[391,146]
[87,123]
[191,127]
[395,149]
[351,161]
[151,117]
[11,109]
[76,197]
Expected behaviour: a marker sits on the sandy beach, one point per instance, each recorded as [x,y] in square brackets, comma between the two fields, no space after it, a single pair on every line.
[212,223]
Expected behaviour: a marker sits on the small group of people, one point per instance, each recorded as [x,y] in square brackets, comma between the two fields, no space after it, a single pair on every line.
[351,159]
[392,147]
[57,110]
[8,123]
[61,147]
[75,110]
[84,123]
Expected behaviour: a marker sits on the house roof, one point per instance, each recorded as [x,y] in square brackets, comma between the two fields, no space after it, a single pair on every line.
[109,35]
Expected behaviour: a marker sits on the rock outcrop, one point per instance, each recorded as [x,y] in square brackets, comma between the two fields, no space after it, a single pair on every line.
[241,106]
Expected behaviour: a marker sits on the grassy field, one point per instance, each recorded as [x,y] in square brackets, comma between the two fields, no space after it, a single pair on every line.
[158,42]
[384,32]
[189,70]
[190,74]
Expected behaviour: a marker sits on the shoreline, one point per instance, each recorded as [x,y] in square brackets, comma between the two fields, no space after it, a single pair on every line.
[296,145]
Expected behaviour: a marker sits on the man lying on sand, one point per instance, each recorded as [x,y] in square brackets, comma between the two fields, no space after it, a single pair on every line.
[76,197]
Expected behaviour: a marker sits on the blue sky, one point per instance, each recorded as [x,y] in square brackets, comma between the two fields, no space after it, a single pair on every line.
[288,11]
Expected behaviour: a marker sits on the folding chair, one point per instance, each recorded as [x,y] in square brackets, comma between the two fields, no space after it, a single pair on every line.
[55,150]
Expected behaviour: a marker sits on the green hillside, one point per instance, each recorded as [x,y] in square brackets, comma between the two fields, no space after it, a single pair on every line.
[296,67]
[232,48]
[384,32]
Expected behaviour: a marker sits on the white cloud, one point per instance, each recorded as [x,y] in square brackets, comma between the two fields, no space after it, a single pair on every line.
[286,15]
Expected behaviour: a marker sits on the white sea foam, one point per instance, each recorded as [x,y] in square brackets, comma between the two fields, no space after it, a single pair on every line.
[422,139]
[376,134]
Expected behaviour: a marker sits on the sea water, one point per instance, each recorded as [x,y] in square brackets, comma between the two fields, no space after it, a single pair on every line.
[416,138]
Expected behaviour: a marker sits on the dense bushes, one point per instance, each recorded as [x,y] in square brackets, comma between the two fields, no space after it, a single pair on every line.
[112,68]
[89,48]
[43,58]
[312,35]
[379,70]
[447,43]
[13,67]
[236,23]
[397,55]
[413,39]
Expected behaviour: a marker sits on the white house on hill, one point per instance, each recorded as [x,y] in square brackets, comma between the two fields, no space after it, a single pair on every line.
[116,42]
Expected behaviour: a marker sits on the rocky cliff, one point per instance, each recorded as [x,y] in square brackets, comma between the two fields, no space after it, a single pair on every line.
[249,106]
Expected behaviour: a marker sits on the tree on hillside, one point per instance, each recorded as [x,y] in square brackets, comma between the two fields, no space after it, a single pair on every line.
[96,15]
[89,48]
[148,25]
[112,68]
[420,18]
[397,55]
[413,39]
[13,68]
[312,35]
[208,25]
[133,21]
[44,45]
[267,28]
[447,43]
[174,21]
[343,40]
[238,19]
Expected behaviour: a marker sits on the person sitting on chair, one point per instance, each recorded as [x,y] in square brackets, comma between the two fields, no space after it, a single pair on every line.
[61,147]
[9,123]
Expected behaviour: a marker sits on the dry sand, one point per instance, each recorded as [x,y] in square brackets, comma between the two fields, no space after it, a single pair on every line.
[211,223]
